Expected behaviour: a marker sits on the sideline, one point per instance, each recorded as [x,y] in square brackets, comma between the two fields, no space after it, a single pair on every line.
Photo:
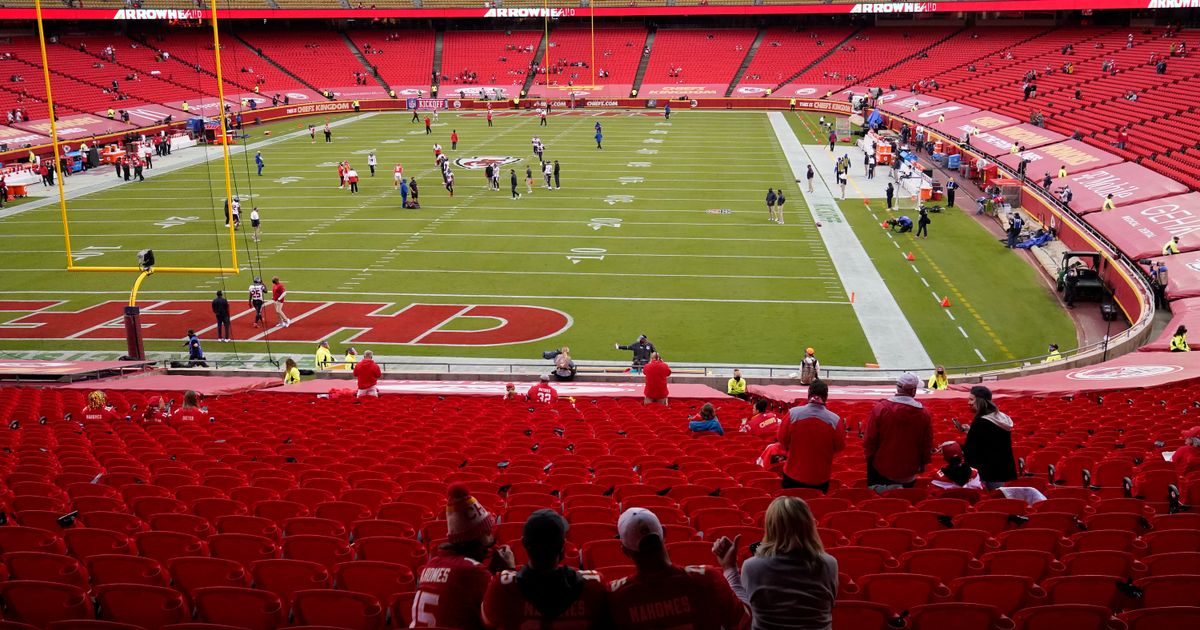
[893,341]
[101,178]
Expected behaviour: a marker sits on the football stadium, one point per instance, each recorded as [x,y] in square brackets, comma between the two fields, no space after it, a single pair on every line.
[599,314]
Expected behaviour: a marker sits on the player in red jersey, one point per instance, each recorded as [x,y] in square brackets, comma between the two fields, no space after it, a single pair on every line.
[191,410]
[542,392]
[763,423]
[662,595]
[544,594]
[97,409]
[397,176]
[341,175]
[451,586]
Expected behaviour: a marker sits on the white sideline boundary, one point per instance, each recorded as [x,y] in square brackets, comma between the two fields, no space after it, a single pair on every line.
[892,339]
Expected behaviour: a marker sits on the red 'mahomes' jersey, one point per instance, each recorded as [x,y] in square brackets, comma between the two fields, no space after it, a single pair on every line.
[103,414]
[450,593]
[505,608]
[695,597]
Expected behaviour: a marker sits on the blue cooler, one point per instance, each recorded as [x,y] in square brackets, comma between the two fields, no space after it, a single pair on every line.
[953,161]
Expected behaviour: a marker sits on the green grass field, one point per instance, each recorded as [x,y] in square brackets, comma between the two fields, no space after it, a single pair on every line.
[634,242]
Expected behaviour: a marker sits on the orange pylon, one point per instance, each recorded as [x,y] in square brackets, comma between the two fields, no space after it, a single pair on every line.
[909,256]
[946,302]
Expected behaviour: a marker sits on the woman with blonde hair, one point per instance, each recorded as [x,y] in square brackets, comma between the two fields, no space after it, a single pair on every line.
[790,582]
[291,373]
[97,409]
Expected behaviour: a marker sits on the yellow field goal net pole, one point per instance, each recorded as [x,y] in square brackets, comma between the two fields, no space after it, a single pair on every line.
[62,199]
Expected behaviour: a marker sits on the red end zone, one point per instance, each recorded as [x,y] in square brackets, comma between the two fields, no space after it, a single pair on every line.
[415,324]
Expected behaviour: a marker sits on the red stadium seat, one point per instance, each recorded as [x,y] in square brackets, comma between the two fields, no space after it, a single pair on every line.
[149,607]
[285,577]
[40,603]
[1008,593]
[958,615]
[1168,618]
[381,580]
[45,567]
[858,615]
[250,609]
[1059,616]
[1170,590]
[193,573]
[902,591]
[122,569]
[343,609]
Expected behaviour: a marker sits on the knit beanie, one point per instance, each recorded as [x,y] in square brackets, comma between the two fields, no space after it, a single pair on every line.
[466,519]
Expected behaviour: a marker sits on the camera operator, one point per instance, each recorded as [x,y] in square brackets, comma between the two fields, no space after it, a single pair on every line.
[642,349]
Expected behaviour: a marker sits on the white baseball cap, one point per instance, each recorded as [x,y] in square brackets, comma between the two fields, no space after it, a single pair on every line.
[635,525]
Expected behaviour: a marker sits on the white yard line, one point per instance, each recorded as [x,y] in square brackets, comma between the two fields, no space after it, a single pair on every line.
[891,337]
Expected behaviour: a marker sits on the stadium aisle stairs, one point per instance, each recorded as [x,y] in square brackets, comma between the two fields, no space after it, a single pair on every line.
[751,52]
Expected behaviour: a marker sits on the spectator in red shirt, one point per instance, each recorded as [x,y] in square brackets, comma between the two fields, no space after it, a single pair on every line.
[510,393]
[898,440]
[278,293]
[662,595]
[191,410]
[450,588]
[97,409]
[811,435]
[656,373]
[1187,457]
[763,423]
[773,458]
[545,594]
[454,140]
[367,372]
[157,410]
[542,392]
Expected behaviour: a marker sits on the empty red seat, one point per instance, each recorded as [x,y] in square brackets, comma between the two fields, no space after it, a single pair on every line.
[902,591]
[242,548]
[343,609]
[1167,618]
[284,577]
[163,546]
[945,564]
[327,551]
[1171,590]
[247,608]
[957,615]
[381,580]
[857,561]
[149,607]
[1060,616]
[123,569]
[193,573]
[84,543]
[39,603]
[859,615]
[1008,593]
[29,539]
[405,551]
[45,567]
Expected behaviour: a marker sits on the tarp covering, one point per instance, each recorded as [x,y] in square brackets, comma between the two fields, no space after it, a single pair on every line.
[1141,230]
[999,142]
[1134,370]
[203,385]
[901,104]
[1073,154]
[929,114]
[1183,277]
[496,388]
[1129,184]
[1183,313]
[76,126]
[958,127]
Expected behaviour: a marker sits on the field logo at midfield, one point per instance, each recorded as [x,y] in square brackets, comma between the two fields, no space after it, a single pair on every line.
[480,162]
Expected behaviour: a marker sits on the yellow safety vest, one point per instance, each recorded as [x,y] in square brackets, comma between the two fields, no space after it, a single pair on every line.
[292,376]
[1108,204]
[938,381]
[1053,356]
[184,106]
[1179,344]
[324,358]
[1170,248]
[736,387]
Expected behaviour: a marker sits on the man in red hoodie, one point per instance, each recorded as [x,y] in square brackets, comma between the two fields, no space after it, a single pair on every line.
[898,441]
[811,435]
[367,372]
[656,372]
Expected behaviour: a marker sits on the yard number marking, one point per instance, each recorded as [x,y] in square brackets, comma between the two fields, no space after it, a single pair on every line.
[586,253]
[613,200]
[171,222]
[639,164]
[603,222]
[92,251]
[629,179]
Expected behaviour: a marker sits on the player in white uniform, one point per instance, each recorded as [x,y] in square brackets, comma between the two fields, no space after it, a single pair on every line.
[235,209]
[371,162]
[397,175]
[256,223]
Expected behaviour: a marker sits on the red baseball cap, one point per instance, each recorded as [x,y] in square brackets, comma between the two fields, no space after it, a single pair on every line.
[1193,432]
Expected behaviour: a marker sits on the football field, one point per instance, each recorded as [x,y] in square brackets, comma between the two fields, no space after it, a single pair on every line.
[662,232]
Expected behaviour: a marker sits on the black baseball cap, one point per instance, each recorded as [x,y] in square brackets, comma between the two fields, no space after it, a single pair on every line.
[545,529]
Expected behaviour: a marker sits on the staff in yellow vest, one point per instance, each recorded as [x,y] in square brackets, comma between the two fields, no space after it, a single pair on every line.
[1109,204]
[350,360]
[1179,340]
[1172,246]
[736,386]
[1053,355]
[183,106]
[938,380]
[324,358]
